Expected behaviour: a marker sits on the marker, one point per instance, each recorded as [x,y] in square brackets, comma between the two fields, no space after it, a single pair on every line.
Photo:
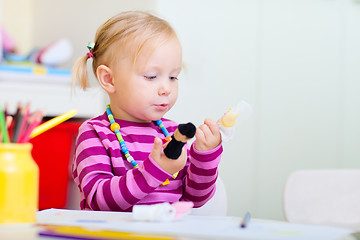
[245,220]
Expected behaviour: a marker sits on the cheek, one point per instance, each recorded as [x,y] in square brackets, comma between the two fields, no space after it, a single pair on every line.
[174,95]
[137,86]
[176,88]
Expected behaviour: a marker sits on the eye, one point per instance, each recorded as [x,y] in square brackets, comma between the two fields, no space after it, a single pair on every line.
[173,78]
[150,77]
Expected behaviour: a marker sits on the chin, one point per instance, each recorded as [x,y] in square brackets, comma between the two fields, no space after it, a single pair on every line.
[157,117]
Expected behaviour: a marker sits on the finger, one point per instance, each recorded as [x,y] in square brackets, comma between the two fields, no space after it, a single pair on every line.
[164,145]
[184,152]
[199,135]
[213,126]
[157,148]
[206,130]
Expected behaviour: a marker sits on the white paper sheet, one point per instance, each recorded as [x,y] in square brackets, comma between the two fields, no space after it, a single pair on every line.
[193,226]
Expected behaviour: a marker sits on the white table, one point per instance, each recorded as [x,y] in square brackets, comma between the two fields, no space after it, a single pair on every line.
[189,227]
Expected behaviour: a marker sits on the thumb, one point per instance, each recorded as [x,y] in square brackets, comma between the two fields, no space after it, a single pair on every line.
[157,148]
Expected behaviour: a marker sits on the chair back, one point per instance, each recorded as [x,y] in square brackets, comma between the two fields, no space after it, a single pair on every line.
[217,205]
[327,197]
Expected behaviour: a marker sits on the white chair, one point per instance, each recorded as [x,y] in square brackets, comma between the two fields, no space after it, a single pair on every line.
[327,197]
[217,205]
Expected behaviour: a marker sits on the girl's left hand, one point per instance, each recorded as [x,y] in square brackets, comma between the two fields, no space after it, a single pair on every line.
[207,135]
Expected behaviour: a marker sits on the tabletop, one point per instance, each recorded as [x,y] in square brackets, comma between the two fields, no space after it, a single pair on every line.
[67,223]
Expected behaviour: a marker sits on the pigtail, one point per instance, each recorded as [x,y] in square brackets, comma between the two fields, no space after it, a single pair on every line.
[80,73]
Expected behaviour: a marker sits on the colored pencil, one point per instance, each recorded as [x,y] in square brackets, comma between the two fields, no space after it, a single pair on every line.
[34,121]
[6,110]
[18,122]
[14,122]
[24,123]
[4,131]
[52,123]
[8,121]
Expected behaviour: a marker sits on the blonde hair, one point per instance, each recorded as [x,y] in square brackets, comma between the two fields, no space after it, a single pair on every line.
[128,31]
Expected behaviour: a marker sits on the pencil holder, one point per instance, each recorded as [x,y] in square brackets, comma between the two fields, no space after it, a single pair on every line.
[19,184]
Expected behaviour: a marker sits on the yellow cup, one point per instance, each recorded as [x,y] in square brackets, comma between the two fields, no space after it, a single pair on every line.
[19,184]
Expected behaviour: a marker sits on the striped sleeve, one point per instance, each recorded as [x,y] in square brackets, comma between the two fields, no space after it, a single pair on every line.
[201,175]
[100,188]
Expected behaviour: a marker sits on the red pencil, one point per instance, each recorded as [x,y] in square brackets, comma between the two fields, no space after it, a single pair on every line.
[33,123]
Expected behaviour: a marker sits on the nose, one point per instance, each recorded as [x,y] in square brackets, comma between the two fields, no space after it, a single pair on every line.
[164,88]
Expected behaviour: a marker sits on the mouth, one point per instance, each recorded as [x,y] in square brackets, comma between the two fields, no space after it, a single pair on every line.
[161,107]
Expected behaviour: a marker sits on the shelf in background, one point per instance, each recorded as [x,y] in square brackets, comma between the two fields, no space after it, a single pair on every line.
[31,72]
[50,91]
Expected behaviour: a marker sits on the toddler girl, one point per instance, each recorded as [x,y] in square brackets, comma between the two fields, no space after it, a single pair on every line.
[119,160]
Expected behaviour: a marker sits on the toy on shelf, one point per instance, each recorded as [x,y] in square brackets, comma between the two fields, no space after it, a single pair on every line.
[227,122]
[54,54]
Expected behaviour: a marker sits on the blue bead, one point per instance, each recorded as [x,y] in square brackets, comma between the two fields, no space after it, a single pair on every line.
[134,163]
[108,111]
[165,131]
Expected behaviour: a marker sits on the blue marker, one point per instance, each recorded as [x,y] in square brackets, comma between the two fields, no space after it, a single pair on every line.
[245,220]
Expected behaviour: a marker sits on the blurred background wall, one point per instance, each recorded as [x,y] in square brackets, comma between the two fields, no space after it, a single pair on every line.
[297,62]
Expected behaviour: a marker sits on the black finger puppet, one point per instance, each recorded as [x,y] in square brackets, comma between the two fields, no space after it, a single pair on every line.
[182,134]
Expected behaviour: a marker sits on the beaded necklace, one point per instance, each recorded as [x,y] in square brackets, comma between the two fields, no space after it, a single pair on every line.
[115,127]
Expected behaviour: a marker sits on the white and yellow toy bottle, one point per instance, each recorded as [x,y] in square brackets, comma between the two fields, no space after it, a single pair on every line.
[227,122]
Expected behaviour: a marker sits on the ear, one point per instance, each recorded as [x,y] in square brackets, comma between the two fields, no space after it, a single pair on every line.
[105,77]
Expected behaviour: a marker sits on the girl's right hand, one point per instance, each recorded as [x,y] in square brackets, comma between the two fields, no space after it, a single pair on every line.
[171,166]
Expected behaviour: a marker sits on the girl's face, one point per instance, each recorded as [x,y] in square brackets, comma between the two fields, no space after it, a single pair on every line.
[146,91]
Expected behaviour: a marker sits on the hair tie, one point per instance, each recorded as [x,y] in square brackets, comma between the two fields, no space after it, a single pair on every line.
[90,46]
[90,55]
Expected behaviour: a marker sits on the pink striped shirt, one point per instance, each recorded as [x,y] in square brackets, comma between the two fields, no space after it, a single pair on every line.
[107,181]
